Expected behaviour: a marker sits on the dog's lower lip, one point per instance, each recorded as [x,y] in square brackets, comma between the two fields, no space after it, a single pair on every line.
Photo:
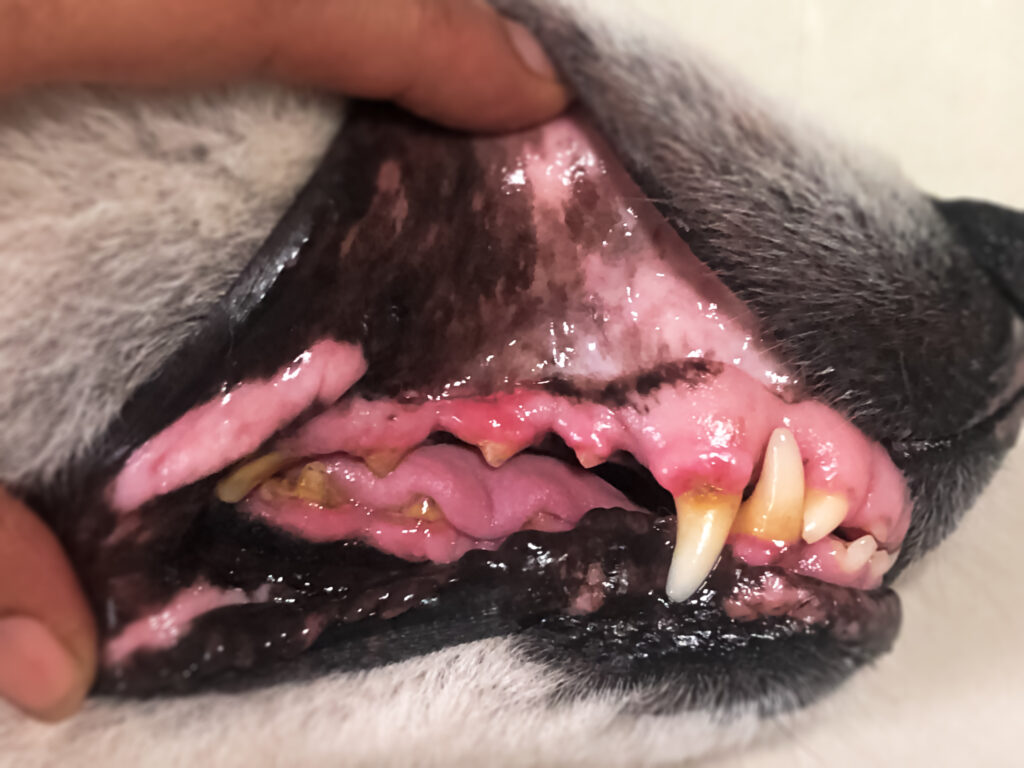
[535,580]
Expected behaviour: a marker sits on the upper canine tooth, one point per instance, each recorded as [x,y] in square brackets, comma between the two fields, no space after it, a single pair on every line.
[858,553]
[497,454]
[704,518]
[236,486]
[823,512]
[774,511]
[382,463]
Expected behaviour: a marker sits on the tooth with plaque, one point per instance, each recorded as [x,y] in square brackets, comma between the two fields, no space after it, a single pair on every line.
[383,462]
[237,485]
[774,511]
[703,517]
[496,453]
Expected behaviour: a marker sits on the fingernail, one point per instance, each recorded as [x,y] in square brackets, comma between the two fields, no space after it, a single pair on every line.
[37,673]
[529,50]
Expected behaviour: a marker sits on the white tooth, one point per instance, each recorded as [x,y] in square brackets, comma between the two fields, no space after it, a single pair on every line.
[774,511]
[880,563]
[859,552]
[704,518]
[823,512]
[236,486]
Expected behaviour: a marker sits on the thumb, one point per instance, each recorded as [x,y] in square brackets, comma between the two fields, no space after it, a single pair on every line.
[47,634]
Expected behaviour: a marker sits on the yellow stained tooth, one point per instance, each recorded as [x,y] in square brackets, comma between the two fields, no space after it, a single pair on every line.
[704,518]
[774,511]
[236,486]
[383,463]
[497,454]
[859,552]
[823,512]
[314,484]
[588,459]
[424,509]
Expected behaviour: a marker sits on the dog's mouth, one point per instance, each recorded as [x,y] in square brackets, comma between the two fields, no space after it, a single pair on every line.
[613,458]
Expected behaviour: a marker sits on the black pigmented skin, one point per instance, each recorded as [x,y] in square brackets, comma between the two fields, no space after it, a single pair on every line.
[593,593]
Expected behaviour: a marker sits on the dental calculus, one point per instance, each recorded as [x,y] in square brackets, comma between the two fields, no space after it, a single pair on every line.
[780,510]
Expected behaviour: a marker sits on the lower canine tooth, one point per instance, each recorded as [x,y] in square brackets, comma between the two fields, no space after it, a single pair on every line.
[497,454]
[774,511]
[236,486]
[823,512]
[859,552]
[704,518]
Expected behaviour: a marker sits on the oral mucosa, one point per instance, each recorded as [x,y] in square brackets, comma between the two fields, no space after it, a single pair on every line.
[654,373]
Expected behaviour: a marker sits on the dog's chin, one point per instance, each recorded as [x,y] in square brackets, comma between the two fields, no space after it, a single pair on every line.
[487,391]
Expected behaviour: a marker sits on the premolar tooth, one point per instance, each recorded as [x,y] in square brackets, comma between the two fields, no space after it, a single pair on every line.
[424,509]
[859,552]
[236,486]
[774,511]
[497,454]
[823,512]
[588,459]
[383,463]
[704,518]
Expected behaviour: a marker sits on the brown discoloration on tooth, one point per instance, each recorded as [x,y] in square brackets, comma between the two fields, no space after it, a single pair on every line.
[497,454]
[383,463]
[425,509]
[237,485]
[311,483]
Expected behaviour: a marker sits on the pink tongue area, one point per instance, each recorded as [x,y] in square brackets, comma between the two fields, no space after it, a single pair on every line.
[442,501]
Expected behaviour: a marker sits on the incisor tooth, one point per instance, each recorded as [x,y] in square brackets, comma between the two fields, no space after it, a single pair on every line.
[497,454]
[236,486]
[704,518]
[774,511]
[383,463]
[823,512]
[880,563]
[858,553]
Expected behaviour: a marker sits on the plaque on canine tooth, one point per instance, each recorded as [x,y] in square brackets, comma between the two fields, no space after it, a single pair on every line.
[666,391]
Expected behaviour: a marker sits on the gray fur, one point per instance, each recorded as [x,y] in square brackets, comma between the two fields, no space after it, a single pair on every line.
[122,219]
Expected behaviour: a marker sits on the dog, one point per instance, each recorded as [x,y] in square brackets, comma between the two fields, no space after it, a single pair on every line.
[685,129]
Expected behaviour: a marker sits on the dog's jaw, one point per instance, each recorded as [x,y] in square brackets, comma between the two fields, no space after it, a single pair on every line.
[478,657]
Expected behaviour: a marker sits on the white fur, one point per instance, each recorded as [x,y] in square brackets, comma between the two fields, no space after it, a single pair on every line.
[111,206]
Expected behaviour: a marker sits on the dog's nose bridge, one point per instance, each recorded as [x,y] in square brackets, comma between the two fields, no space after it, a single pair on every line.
[994,236]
